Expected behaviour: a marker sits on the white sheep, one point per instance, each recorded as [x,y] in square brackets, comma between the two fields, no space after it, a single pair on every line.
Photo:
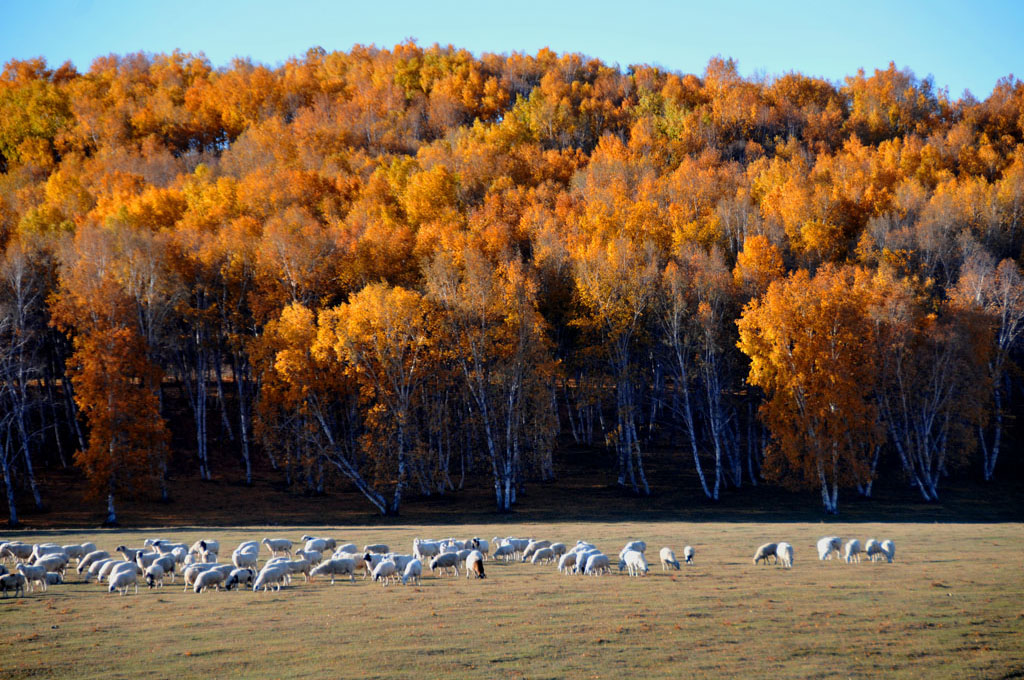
[423,550]
[639,546]
[155,576]
[873,549]
[385,571]
[445,561]
[597,564]
[784,551]
[347,548]
[481,544]
[314,556]
[312,543]
[379,548]
[413,571]
[128,553]
[16,551]
[123,580]
[335,567]
[41,549]
[33,574]
[533,547]
[505,551]
[828,545]
[300,566]
[558,549]
[851,551]
[75,551]
[15,582]
[192,572]
[889,550]
[581,559]
[278,546]
[271,576]
[401,561]
[566,562]
[116,566]
[210,578]
[243,559]
[370,562]
[688,554]
[668,559]
[91,557]
[635,562]
[144,559]
[54,579]
[765,551]
[53,562]
[94,568]
[475,564]
[543,556]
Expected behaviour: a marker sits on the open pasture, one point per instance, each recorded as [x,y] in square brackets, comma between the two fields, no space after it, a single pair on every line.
[951,605]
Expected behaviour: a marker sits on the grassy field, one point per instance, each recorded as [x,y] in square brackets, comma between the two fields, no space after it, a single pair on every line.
[952,605]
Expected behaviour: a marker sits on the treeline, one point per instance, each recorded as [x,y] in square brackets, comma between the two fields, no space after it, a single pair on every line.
[387,266]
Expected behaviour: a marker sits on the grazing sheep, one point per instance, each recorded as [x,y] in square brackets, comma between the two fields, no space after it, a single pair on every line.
[114,566]
[94,568]
[278,546]
[41,549]
[506,552]
[519,545]
[144,559]
[581,559]
[53,562]
[245,558]
[123,580]
[15,582]
[167,548]
[370,562]
[597,564]
[784,551]
[475,564]
[828,545]
[385,571]
[635,562]
[347,548]
[413,571]
[543,556]
[765,551]
[400,560]
[239,577]
[851,551]
[33,574]
[533,547]
[379,548]
[270,576]
[688,554]
[74,552]
[312,543]
[873,549]
[193,571]
[668,559]
[91,557]
[558,549]
[335,567]
[300,566]
[481,544]
[129,553]
[639,546]
[423,550]
[314,556]
[16,550]
[154,576]
[211,578]
[445,561]
[566,562]
[889,550]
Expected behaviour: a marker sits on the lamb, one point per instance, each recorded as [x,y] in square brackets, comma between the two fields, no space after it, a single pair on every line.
[123,580]
[15,582]
[33,574]
[784,551]
[828,545]
[335,567]
[544,555]
[668,559]
[505,552]
[475,564]
[413,571]
[635,562]
[688,554]
[211,578]
[597,564]
[445,561]
[378,548]
[851,551]
[94,556]
[566,562]
[533,547]
[765,551]
[278,546]
[889,550]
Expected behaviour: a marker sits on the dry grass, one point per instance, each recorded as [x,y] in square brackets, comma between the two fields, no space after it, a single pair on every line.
[952,605]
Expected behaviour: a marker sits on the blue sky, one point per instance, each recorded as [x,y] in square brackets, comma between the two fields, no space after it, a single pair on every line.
[962,44]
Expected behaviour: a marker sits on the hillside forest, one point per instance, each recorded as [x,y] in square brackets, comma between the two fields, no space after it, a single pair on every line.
[378,269]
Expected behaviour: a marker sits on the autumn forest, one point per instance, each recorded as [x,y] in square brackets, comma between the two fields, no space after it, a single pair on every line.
[379,268]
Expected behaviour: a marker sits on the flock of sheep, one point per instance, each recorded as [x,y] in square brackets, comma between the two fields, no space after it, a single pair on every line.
[160,560]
